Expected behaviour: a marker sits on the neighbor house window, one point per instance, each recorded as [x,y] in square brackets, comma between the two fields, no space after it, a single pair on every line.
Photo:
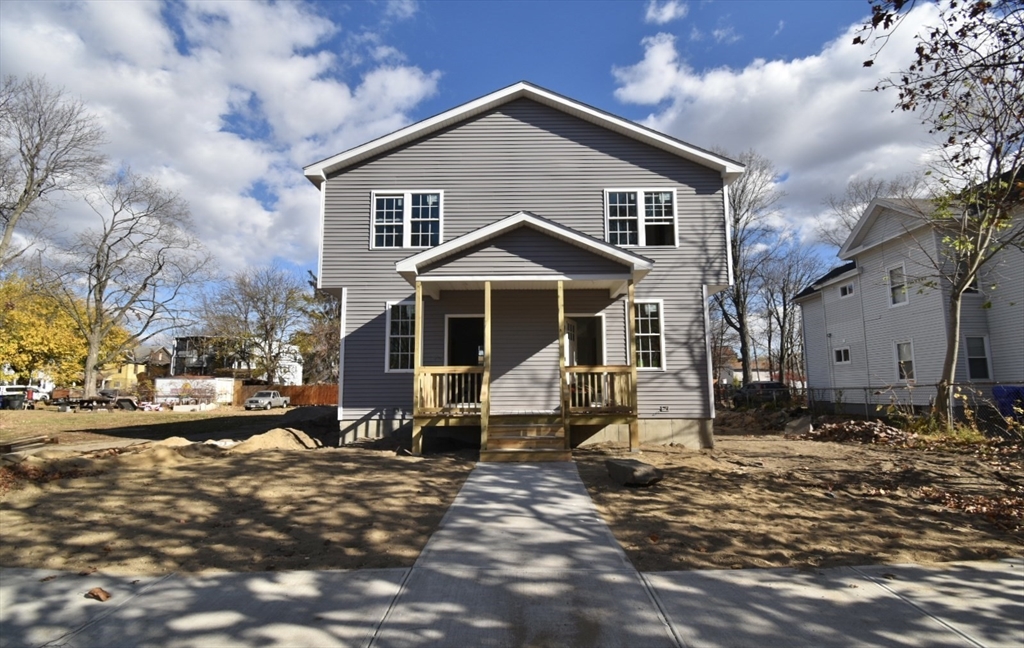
[645,217]
[846,290]
[407,219]
[842,355]
[649,339]
[401,340]
[905,361]
[897,286]
[977,358]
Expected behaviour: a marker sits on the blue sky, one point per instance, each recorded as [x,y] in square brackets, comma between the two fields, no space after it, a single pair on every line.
[226,101]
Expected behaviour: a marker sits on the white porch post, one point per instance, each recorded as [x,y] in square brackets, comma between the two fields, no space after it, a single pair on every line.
[417,362]
[563,386]
[634,424]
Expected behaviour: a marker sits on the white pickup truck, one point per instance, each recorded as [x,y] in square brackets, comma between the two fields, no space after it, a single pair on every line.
[266,400]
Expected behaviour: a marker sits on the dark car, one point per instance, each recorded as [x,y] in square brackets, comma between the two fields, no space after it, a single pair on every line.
[761,391]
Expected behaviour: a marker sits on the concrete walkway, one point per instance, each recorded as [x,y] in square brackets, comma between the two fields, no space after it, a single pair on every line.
[522,559]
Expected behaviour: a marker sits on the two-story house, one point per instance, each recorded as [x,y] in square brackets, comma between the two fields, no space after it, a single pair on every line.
[875,328]
[528,269]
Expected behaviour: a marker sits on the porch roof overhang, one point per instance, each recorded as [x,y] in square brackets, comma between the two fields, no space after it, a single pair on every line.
[634,266]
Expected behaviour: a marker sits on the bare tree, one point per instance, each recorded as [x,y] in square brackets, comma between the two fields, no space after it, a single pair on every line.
[783,276]
[753,200]
[261,309]
[967,84]
[319,340]
[131,272]
[48,144]
[844,210]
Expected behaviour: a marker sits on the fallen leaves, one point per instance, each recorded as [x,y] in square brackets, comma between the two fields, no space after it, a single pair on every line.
[1006,511]
[98,593]
[12,477]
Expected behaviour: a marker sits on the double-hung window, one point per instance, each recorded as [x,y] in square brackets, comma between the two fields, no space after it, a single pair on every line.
[905,361]
[401,336]
[642,217]
[842,355]
[897,286]
[650,348]
[846,290]
[977,359]
[407,219]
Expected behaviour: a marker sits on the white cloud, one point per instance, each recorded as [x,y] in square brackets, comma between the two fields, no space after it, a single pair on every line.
[665,12]
[778,30]
[401,9]
[725,35]
[815,117]
[224,102]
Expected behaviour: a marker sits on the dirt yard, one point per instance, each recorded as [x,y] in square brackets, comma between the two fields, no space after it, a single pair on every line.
[280,502]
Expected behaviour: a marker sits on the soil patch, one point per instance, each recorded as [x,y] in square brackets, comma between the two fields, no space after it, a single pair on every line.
[771,501]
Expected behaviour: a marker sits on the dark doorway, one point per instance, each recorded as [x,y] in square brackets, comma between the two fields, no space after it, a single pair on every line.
[465,341]
[589,341]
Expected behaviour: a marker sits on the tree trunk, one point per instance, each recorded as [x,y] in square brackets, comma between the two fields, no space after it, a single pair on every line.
[944,391]
[91,370]
[744,349]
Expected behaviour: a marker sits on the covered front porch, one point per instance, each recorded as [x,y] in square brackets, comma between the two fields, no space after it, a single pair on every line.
[500,373]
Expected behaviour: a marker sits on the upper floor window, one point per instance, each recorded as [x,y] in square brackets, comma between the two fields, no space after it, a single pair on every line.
[407,219]
[846,290]
[649,347]
[897,286]
[977,358]
[842,355]
[644,217]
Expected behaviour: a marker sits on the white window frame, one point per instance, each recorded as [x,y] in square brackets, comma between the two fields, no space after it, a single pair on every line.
[906,285]
[849,288]
[837,351]
[641,215]
[988,357]
[896,361]
[604,332]
[662,319]
[387,335]
[406,217]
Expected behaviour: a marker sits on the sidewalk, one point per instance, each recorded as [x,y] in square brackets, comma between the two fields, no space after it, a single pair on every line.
[522,559]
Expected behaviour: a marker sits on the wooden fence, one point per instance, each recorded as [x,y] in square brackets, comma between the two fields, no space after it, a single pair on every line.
[299,394]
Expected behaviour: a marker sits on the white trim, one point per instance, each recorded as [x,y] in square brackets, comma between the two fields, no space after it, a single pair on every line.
[661,334]
[387,333]
[409,267]
[552,278]
[406,195]
[444,358]
[641,194]
[604,332]
[988,357]
[728,239]
[317,171]
[341,352]
[896,361]
[711,384]
[323,227]
[888,286]
[836,360]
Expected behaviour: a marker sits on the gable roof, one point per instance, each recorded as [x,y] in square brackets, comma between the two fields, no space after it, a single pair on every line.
[828,277]
[634,265]
[318,171]
[874,210]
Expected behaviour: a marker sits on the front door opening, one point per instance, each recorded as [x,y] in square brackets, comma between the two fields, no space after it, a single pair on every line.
[465,349]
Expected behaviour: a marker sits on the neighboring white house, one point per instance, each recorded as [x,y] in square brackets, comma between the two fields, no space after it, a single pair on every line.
[876,327]
[196,355]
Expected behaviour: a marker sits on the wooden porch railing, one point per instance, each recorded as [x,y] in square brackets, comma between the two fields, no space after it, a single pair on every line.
[449,390]
[601,389]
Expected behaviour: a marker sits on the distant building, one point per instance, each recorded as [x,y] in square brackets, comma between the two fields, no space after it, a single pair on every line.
[204,355]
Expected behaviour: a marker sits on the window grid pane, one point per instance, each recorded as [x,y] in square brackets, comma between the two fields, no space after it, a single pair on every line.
[401,336]
[658,207]
[387,221]
[905,360]
[648,335]
[623,218]
[425,220]
[897,286]
[977,359]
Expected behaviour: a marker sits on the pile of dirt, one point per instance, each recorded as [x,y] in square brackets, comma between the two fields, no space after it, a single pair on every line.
[173,442]
[862,432]
[278,439]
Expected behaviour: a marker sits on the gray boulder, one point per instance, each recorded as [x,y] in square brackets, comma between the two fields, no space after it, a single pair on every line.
[630,472]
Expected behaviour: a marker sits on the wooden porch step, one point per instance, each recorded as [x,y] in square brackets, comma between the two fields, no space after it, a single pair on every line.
[525,455]
[508,430]
[502,442]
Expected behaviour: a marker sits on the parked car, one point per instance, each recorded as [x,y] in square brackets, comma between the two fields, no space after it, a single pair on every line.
[762,391]
[266,400]
[13,396]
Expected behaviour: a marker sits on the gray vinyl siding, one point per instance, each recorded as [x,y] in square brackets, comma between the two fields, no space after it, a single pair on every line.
[524,251]
[890,224]
[844,327]
[525,157]
[816,353]
[1006,315]
[921,320]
